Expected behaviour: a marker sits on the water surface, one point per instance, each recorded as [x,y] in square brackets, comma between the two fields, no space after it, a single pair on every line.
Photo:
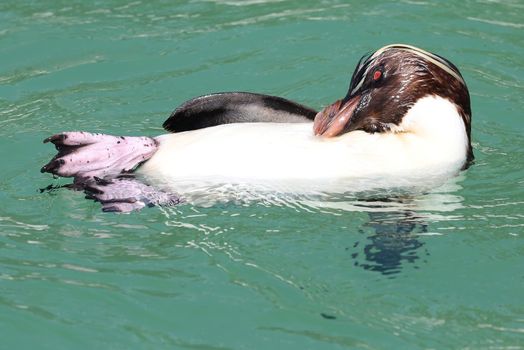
[440,270]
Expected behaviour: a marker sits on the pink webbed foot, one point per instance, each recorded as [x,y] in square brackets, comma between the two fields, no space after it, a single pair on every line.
[125,194]
[101,166]
[83,155]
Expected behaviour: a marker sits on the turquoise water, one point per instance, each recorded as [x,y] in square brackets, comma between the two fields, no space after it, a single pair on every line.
[438,271]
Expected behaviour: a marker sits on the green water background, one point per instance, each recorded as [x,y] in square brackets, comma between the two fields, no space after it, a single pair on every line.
[443,271]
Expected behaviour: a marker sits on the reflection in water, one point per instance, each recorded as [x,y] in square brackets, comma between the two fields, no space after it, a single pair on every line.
[396,225]
[393,241]
[392,231]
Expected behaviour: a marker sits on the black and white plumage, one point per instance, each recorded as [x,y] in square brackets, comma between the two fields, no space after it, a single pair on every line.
[404,122]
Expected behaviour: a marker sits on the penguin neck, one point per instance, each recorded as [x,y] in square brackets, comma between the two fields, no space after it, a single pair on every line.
[437,122]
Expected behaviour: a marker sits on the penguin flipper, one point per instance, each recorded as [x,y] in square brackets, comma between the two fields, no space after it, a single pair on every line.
[236,107]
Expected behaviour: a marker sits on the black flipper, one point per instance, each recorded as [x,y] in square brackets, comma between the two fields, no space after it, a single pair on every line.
[236,107]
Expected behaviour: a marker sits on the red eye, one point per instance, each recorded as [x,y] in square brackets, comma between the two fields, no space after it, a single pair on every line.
[377,75]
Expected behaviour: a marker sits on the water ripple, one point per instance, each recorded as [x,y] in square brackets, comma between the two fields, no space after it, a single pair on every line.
[498,23]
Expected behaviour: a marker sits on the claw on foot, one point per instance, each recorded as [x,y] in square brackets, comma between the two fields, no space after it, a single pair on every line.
[53,165]
[56,138]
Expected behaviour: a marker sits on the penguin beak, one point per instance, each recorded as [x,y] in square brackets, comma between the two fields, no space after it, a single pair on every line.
[334,120]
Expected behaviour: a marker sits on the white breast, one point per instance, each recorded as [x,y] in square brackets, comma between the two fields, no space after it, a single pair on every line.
[428,147]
